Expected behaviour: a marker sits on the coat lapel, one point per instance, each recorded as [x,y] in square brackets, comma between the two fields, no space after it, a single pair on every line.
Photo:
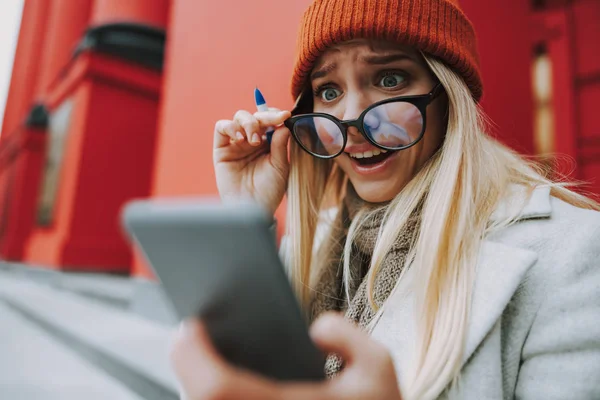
[500,270]
[502,267]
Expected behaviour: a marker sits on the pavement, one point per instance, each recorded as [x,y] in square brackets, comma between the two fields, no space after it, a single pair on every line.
[73,336]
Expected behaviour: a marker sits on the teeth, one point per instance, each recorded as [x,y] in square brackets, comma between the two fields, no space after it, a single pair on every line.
[368,154]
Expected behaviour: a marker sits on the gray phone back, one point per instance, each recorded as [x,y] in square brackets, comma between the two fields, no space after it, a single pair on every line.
[219,262]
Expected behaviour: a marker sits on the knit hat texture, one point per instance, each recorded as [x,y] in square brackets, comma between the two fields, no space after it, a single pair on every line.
[436,27]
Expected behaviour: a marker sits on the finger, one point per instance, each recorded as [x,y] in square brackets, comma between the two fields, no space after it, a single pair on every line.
[271,118]
[193,355]
[232,130]
[251,126]
[225,133]
[312,391]
[333,334]
[279,148]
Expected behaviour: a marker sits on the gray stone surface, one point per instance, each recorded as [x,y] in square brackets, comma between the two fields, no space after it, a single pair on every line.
[128,347]
[35,367]
[136,295]
[150,301]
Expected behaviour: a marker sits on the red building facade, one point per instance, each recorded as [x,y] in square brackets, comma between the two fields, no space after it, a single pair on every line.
[102,110]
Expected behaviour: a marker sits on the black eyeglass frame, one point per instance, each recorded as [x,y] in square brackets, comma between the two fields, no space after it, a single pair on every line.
[419,101]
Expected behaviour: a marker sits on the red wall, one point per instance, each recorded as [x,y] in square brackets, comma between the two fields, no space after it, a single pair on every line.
[584,18]
[215,58]
[505,47]
[571,34]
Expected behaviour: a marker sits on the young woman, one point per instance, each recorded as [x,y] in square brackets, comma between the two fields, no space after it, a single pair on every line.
[462,271]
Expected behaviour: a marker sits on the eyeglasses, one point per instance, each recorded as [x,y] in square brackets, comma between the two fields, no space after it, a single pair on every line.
[392,124]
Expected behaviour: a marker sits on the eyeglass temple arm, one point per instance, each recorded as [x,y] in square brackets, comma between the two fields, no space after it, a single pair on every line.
[437,90]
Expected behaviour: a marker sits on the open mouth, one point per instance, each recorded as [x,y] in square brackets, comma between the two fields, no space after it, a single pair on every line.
[373,160]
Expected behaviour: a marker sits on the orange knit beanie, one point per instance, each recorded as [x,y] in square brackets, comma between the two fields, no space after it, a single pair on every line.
[436,27]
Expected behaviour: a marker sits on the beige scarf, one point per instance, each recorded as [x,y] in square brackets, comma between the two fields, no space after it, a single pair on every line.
[329,289]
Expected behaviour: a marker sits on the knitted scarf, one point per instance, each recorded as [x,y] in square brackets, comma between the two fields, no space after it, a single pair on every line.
[329,288]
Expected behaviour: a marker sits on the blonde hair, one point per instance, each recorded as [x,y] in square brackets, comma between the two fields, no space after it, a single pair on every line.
[472,166]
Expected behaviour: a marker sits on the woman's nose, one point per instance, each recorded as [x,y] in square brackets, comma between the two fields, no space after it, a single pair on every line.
[354,134]
[355,105]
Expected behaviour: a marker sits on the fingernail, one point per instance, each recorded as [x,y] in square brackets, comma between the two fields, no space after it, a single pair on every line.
[264,137]
[255,138]
[239,136]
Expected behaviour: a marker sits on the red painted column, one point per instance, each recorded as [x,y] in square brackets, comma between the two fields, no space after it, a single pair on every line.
[506,49]
[21,145]
[21,178]
[150,12]
[54,28]
[569,32]
[26,65]
[558,41]
[108,151]
[584,17]
[67,22]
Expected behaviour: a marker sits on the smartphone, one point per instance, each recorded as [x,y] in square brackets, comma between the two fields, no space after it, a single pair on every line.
[219,262]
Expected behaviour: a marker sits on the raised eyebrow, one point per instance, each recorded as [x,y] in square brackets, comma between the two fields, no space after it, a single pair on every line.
[323,71]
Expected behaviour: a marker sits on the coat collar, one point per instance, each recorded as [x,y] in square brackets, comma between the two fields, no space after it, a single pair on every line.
[525,202]
[501,268]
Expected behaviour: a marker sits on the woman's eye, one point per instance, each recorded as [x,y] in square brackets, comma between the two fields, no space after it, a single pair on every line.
[330,94]
[391,80]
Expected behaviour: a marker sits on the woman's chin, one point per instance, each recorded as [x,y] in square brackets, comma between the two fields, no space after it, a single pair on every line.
[376,192]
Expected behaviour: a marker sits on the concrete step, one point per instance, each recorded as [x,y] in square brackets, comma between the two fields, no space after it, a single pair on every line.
[137,295]
[34,366]
[130,348]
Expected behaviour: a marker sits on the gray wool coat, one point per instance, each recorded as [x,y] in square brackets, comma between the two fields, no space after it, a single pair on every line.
[534,330]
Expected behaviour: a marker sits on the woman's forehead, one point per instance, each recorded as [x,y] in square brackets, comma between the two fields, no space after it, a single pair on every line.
[363,48]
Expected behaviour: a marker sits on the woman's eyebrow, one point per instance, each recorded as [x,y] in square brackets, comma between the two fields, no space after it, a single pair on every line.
[323,71]
[385,59]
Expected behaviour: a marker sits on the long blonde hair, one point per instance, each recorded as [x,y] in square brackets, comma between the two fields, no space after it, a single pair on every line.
[459,187]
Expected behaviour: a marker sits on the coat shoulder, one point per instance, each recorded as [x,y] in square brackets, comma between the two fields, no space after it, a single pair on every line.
[567,248]
[567,230]
[559,357]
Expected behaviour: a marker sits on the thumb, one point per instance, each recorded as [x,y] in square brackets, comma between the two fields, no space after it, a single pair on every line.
[271,117]
[333,334]
[193,354]
[279,148]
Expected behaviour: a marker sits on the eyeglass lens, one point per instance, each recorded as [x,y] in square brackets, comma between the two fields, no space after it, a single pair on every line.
[392,125]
